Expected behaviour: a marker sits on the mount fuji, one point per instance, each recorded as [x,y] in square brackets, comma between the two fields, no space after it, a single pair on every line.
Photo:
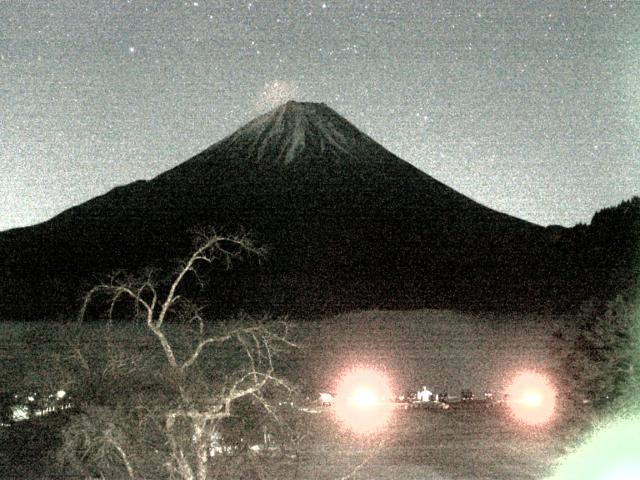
[348,225]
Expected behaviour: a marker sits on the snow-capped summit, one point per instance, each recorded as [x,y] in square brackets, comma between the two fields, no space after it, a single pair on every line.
[296,128]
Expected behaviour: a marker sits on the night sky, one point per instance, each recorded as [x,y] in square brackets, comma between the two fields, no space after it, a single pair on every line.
[531,108]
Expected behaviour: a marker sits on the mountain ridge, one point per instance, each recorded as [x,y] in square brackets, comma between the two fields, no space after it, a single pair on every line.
[348,223]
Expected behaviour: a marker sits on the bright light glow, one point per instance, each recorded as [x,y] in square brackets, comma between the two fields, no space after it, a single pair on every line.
[532,398]
[19,413]
[611,453]
[362,400]
[623,472]
[60,394]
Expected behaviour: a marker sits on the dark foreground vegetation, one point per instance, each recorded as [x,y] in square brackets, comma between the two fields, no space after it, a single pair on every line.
[161,391]
[28,450]
[463,442]
[448,444]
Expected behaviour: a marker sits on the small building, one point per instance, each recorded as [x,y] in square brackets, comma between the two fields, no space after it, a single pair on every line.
[424,395]
[326,399]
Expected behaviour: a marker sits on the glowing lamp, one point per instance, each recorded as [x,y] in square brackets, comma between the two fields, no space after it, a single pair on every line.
[532,398]
[364,398]
[360,403]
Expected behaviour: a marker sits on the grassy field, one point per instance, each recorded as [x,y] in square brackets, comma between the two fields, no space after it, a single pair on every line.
[462,443]
[444,350]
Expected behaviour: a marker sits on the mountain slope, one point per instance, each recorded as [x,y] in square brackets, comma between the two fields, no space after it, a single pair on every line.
[348,224]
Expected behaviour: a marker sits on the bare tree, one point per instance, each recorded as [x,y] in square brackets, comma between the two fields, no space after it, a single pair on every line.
[158,396]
